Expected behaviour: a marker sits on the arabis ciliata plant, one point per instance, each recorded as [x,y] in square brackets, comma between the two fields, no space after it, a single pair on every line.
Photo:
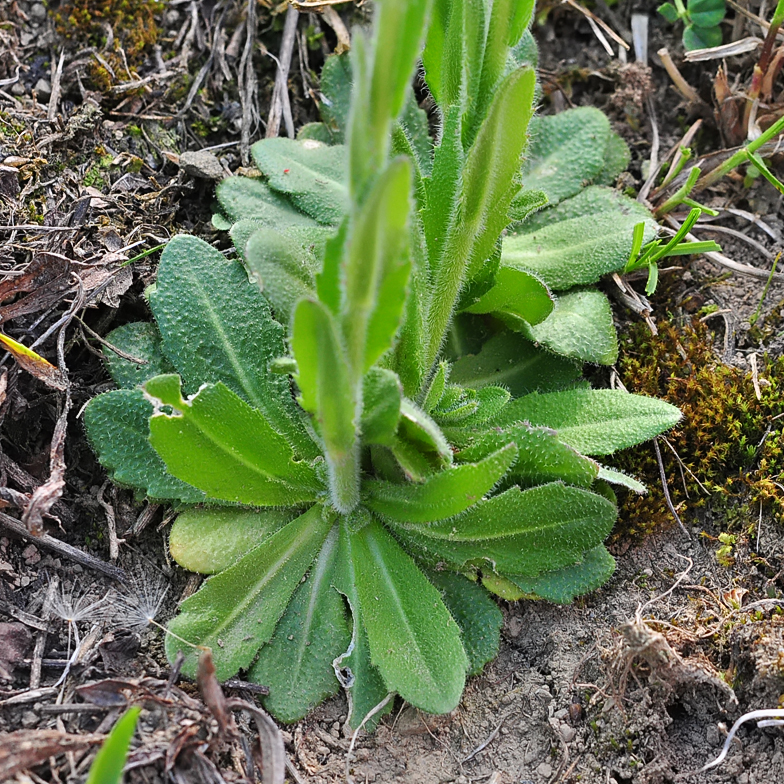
[377,415]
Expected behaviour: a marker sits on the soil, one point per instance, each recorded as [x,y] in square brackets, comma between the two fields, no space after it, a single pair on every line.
[638,682]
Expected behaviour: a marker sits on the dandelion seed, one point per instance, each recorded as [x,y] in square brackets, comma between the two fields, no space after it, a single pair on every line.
[73,606]
[138,607]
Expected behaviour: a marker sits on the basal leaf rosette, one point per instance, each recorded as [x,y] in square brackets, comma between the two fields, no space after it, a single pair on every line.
[386,597]
[376,414]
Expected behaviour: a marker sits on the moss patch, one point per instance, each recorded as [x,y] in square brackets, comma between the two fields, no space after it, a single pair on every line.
[729,443]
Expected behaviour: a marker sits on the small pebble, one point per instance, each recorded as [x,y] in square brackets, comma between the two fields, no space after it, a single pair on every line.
[567,733]
[43,90]
[31,555]
[29,719]
[545,770]
[202,164]
[37,13]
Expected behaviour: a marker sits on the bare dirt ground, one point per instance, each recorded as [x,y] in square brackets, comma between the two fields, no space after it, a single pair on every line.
[116,119]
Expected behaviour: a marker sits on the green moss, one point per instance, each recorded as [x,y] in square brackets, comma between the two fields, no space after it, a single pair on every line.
[132,21]
[94,178]
[730,444]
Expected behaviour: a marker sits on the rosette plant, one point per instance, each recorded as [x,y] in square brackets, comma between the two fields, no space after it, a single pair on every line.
[355,417]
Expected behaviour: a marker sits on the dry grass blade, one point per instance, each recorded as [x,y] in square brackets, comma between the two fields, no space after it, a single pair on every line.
[24,749]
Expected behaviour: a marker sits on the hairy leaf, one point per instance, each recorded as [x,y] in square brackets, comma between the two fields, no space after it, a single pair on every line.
[210,539]
[283,271]
[567,152]
[563,585]
[581,327]
[414,641]
[381,411]
[578,241]
[510,360]
[251,198]
[365,688]
[619,478]
[296,663]
[443,495]
[140,340]
[376,268]
[324,378]
[594,421]
[221,445]
[312,175]
[516,293]
[217,326]
[236,611]
[117,425]
[541,457]
[475,613]
[520,531]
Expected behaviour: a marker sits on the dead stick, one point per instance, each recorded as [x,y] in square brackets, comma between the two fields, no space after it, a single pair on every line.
[64,549]
[280,95]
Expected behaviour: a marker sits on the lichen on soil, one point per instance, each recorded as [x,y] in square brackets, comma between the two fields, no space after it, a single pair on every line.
[636,683]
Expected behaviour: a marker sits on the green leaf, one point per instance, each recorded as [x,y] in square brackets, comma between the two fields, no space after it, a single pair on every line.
[296,663]
[581,327]
[509,360]
[365,688]
[236,611]
[221,445]
[283,271]
[413,122]
[490,402]
[594,421]
[142,341]
[578,241]
[311,174]
[328,278]
[492,164]
[443,57]
[541,457]
[525,532]
[442,495]
[251,198]
[414,641]
[107,768]
[488,186]
[567,152]
[419,429]
[475,613]
[517,293]
[314,131]
[117,425]
[564,585]
[324,379]
[435,389]
[381,407]
[701,37]
[526,203]
[669,12]
[624,480]
[502,25]
[217,326]
[706,13]
[335,85]
[376,268]
[441,188]
[616,160]
[521,16]
[210,539]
